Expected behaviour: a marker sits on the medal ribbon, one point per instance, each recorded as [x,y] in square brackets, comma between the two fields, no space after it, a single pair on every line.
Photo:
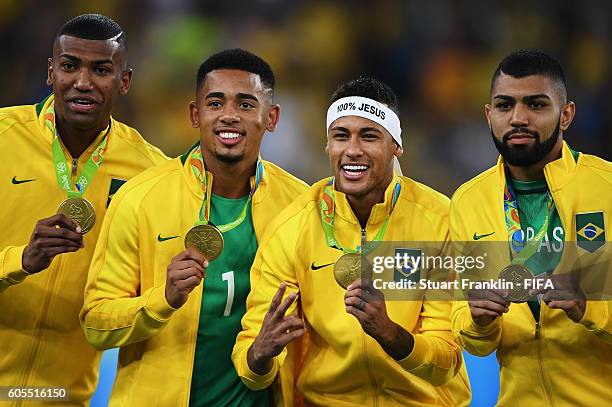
[520,250]
[328,209]
[196,161]
[62,166]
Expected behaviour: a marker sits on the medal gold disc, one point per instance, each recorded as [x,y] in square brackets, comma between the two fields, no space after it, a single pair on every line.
[81,211]
[517,274]
[347,269]
[206,239]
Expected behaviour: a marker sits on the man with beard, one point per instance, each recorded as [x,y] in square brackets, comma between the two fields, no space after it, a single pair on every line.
[63,159]
[349,345]
[555,348]
[170,275]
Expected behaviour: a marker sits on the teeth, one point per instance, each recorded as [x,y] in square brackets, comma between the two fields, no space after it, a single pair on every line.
[227,135]
[354,168]
[83,102]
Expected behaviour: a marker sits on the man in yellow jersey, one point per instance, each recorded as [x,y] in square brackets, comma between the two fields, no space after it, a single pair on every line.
[175,311]
[555,349]
[63,154]
[349,346]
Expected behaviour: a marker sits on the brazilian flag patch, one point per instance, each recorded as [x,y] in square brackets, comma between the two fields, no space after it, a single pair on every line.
[590,230]
[114,187]
[411,270]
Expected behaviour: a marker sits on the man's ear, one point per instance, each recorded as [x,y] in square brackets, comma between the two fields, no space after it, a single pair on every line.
[193,114]
[398,151]
[273,117]
[49,71]
[567,115]
[126,81]
[487,113]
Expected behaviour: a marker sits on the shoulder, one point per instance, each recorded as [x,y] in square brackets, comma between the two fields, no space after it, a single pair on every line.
[134,191]
[298,212]
[426,198]
[598,165]
[483,181]
[286,179]
[16,115]
[137,143]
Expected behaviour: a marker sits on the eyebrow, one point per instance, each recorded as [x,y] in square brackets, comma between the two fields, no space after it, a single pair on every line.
[526,99]
[369,129]
[247,96]
[219,95]
[361,130]
[97,62]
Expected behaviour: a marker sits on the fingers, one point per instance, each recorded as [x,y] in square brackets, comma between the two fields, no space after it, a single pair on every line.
[191,254]
[276,300]
[559,295]
[47,243]
[355,302]
[44,236]
[51,252]
[496,296]
[359,314]
[279,314]
[183,274]
[499,309]
[290,323]
[195,255]
[185,265]
[60,220]
[189,283]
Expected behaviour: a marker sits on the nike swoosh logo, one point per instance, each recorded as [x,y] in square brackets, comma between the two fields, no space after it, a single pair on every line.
[21,181]
[313,267]
[478,237]
[163,239]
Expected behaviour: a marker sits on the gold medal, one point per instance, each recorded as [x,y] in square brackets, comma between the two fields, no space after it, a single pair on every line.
[206,239]
[347,269]
[81,211]
[517,274]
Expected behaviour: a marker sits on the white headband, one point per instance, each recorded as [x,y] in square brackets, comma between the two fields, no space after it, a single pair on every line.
[368,109]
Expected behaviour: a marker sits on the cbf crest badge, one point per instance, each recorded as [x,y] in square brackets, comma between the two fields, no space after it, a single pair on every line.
[411,268]
[590,230]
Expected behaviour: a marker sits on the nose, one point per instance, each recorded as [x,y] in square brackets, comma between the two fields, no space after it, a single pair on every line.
[519,116]
[354,148]
[229,115]
[83,81]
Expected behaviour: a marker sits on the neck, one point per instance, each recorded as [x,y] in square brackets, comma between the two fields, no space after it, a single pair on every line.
[74,139]
[536,172]
[362,205]
[230,180]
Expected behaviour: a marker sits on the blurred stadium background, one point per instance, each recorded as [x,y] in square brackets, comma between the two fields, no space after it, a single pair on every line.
[437,55]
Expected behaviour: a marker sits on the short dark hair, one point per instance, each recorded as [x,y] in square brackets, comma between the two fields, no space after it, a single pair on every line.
[527,62]
[368,87]
[240,60]
[93,27]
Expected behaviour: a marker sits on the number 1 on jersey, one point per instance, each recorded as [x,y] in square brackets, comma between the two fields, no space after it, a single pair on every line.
[229,277]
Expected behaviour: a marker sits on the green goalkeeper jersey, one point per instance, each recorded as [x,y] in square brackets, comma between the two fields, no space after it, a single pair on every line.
[226,286]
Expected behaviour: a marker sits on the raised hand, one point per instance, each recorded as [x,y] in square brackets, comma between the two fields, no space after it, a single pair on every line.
[51,236]
[276,332]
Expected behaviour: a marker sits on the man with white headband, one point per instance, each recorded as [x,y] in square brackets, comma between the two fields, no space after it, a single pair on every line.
[340,343]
